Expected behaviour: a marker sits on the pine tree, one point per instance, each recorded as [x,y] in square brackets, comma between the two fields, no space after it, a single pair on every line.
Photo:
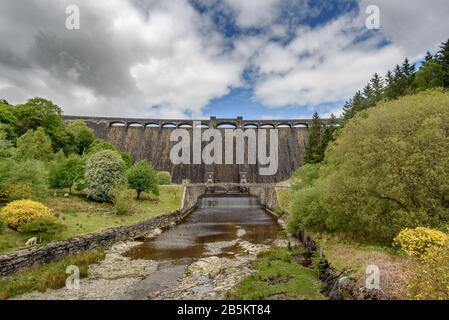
[348,111]
[368,97]
[443,61]
[428,57]
[377,86]
[315,129]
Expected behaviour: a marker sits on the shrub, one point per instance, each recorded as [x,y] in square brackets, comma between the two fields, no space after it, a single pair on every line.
[20,212]
[164,178]
[34,145]
[122,202]
[420,241]
[142,177]
[21,180]
[104,171]
[431,279]
[65,173]
[41,225]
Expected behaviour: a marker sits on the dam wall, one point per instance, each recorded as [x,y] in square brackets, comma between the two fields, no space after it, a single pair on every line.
[150,140]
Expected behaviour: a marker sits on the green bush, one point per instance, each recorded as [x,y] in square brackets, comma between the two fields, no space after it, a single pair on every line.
[142,178]
[41,225]
[34,144]
[65,173]
[82,136]
[387,170]
[164,178]
[104,172]
[122,202]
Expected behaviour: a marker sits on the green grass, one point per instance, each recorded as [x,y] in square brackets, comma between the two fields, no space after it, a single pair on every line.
[279,276]
[49,276]
[81,216]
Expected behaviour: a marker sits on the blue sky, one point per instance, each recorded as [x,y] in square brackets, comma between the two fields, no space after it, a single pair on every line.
[197,58]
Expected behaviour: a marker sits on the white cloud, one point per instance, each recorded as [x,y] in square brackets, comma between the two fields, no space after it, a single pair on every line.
[254,13]
[414,26]
[321,65]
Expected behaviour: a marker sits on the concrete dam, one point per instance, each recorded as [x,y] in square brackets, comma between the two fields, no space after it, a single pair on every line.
[150,139]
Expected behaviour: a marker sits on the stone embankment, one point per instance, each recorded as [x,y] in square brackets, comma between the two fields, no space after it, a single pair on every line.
[26,258]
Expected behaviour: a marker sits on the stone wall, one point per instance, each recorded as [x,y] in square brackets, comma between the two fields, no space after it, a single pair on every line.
[26,258]
[266,194]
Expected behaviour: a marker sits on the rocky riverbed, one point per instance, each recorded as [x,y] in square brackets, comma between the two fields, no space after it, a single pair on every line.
[119,277]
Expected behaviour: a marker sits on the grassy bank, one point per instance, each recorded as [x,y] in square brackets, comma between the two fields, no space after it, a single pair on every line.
[279,275]
[81,216]
[49,276]
[395,270]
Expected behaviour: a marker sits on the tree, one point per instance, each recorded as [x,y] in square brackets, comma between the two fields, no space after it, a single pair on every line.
[35,144]
[82,136]
[429,76]
[8,121]
[387,170]
[143,178]
[377,86]
[315,128]
[104,172]
[65,173]
[428,57]
[39,112]
[443,61]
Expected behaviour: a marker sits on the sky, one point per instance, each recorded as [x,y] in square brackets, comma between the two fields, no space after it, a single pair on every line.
[260,59]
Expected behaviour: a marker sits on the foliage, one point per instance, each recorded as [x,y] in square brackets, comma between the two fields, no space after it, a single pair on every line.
[2,225]
[100,145]
[49,276]
[21,180]
[431,279]
[142,178]
[65,173]
[104,171]
[8,121]
[420,241]
[122,201]
[308,211]
[308,173]
[34,144]
[20,212]
[38,112]
[386,171]
[41,225]
[163,178]
[82,136]
[6,146]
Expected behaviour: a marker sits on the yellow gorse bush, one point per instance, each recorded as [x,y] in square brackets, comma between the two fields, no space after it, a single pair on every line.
[420,242]
[20,212]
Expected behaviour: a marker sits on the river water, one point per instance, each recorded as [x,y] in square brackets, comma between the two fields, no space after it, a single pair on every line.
[217,228]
